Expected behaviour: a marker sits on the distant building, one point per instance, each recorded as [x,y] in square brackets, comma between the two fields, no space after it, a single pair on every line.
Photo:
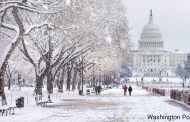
[151,59]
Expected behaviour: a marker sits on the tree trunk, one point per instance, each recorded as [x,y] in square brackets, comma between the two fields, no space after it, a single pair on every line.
[74,79]
[9,76]
[39,82]
[13,46]
[4,67]
[68,78]
[38,87]
[61,81]
[2,93]
[50,81]
[9,84]
[19,81]
[57,80]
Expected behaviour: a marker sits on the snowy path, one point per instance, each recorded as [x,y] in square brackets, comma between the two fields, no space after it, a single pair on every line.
[110,106]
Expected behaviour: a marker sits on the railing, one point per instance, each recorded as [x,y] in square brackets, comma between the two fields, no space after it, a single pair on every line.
[183,95]
[176,94]
[158,91]
[161,92]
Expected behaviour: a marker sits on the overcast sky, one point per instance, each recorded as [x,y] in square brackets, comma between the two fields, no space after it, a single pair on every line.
[171,16]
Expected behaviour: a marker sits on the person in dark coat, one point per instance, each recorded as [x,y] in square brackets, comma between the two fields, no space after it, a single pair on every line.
[130,89]
[99,89]
[96,90]
[125,89]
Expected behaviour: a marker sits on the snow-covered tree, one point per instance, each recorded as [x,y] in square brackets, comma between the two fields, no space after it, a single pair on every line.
[14,27]
[125,71]
[187,68]
[179,71]
[94,30]
[184,71]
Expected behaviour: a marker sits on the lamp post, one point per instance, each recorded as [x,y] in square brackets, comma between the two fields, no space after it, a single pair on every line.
[82,74]
[167,76]
[99,75]
[93,79]
[69,74]
[160,78]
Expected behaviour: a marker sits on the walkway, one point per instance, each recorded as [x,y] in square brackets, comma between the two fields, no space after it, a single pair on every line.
[110,106]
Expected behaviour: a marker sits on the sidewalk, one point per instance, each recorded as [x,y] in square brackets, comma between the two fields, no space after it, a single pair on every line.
[110,106]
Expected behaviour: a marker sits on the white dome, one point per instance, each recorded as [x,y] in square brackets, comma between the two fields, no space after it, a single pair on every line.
[151,37]
[151,32]
[151,28]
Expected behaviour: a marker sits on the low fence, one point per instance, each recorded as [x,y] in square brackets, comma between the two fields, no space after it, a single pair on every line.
[161,92]
[183,95]
[176,94]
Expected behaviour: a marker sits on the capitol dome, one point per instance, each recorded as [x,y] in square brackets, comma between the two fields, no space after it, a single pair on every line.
[151,28]
[151,37]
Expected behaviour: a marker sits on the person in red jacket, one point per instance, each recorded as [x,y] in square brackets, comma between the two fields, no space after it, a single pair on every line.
[125,89]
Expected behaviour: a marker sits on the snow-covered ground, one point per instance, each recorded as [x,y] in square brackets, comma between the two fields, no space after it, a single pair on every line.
[110,106]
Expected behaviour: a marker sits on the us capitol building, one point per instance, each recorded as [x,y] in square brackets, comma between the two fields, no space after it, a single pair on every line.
[151,59]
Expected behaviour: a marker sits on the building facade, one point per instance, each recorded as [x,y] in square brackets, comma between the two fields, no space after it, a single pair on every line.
[151,59]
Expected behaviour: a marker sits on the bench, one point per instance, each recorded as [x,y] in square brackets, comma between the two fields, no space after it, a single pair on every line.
[39,102]
[43,103]
[38,98]
[10,109]
[5,110]
[90,91]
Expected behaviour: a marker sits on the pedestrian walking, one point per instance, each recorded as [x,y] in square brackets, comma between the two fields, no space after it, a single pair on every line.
[130,89]
[99,89]
[125,89]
